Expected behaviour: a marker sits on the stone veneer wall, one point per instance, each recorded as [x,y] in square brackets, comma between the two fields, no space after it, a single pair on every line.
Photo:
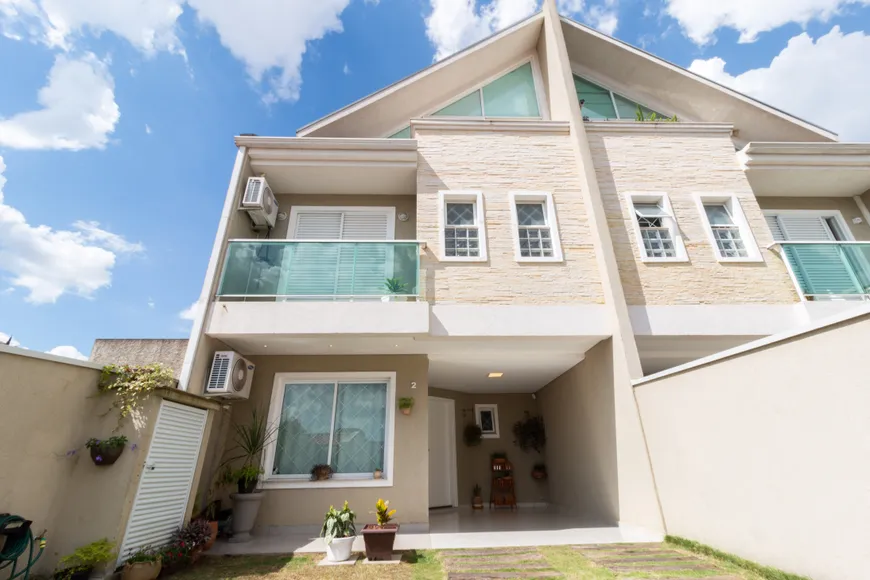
[682,165]
[497,163]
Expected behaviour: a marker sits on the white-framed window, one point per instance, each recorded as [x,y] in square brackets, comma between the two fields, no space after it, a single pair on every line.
[656,229]
[462,225]
[344,420]
[536,237]
[486,417]
[727,228]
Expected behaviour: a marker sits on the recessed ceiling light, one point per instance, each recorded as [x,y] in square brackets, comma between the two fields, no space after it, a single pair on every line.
[495,375]
[397,346]
[265,346]
[330,346]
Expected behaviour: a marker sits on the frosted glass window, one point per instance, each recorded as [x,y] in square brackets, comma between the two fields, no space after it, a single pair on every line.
[342,425]
[403,134]
[598,102]
[534,232]
[461,234]
[468,106]
[729,242]
[512,95]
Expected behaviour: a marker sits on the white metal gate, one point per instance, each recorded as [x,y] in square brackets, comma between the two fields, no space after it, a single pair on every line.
[164,489]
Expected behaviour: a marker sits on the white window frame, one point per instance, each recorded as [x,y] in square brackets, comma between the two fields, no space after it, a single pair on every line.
[464,196]
[494,410]
[661,198]
[272,481]
[820,213]
[732,204]
[545,198]
[389,211]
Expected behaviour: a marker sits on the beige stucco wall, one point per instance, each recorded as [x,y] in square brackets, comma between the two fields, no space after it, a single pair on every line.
[764,454]
[403,203]
[140,351]
[578,410]
[49,411]
[682,165]
[845,205]
[497,163]
[473,463]
[410,491]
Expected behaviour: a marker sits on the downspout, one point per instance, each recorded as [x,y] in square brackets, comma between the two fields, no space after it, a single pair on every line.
[211,273]
[638,497]
[863,208]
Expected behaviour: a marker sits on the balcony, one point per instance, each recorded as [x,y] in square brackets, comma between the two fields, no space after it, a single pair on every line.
[829,270]
[286,270]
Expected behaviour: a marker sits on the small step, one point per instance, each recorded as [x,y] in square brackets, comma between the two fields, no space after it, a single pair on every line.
[636,559]
[617,546]
[500,575]
[646,569]
[490,552]
[629,552]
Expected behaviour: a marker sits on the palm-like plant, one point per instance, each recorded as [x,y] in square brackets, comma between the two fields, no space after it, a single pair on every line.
[251,439]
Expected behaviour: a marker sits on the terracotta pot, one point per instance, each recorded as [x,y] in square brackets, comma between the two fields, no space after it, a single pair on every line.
[378,474]
[539,474]
[477,503]
[141,570]
[406,411]
[379,541]
[103,455]
[213,526]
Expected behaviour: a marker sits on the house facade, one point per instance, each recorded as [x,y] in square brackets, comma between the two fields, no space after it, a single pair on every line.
[520,230]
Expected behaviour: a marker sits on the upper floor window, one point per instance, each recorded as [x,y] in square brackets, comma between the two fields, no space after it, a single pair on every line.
[601,103]
[463,233]
[656,228]
[728,229]
[401,133]
[511,95]
[537,233]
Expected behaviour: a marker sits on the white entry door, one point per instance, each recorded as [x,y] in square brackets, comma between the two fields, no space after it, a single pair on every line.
[164,488]
[442,453]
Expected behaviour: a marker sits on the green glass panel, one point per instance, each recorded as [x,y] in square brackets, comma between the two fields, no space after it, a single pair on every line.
[360,425]
[598,104]
[467,106]
[830,269]
[512,95]
[289,270]
[303,433]
[403,134]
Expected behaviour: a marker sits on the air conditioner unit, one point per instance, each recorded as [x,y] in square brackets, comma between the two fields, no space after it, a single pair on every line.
[259,202]
[230,376]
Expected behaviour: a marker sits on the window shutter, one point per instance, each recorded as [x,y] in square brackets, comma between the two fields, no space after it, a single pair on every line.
[819,269]
[318,225]
[365,225]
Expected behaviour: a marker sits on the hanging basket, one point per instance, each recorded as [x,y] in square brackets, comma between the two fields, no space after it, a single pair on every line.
[103,455]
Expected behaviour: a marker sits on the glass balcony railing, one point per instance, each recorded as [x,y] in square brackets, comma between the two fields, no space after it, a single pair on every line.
[315,270]
[826,270]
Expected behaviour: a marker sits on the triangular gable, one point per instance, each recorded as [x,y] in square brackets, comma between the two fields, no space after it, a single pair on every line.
[664,86]
[388,110]
[601,103]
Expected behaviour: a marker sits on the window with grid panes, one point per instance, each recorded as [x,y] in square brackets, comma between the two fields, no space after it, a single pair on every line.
[337,423]
[654,232]
[461,234]
[729,242]
[534,234]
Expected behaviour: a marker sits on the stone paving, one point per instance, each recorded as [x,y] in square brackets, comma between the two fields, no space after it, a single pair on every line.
[630,560]
[496,564]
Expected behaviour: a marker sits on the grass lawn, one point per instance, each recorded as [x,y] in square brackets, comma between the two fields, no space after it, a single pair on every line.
[428,565]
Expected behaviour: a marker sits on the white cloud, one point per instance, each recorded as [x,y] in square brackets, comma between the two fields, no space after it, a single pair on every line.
[78,109]
[149,25]
[455,24]
[49,263]
[67,351]
[346,69]
[4,338]
[271,36]
[151,303]
[569,6]
[603,18]
[820,81]
[190,312]
[700,19]
[147,129]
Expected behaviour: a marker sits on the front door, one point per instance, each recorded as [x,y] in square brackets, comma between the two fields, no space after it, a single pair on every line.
[442,448]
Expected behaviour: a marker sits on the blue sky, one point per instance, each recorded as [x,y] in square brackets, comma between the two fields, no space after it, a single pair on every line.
[117,118]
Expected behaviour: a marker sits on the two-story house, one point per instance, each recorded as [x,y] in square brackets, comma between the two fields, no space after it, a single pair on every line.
[508,233]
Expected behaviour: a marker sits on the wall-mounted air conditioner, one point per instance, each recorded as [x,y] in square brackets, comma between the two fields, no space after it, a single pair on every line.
[259,202]
[230,376]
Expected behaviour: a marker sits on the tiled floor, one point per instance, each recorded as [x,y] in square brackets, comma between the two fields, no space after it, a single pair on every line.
[462,528]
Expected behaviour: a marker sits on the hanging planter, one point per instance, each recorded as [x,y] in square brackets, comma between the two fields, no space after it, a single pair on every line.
[406,404]
[472,435]
[106,451]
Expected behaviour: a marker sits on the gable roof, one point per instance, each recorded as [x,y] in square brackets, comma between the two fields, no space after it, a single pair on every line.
[617,65]
[388,109]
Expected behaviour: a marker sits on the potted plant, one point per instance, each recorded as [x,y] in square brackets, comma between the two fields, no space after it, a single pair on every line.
[472,435]
[379,538]
[143,564]
[530,433]
[338,532]
[193,537]
[250,439]
[321,472]
[476,499]
[378,474]
[81,563]
[396,287]
[106,451]
[209,514]
[406,404]
[174,557]
[539,471]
